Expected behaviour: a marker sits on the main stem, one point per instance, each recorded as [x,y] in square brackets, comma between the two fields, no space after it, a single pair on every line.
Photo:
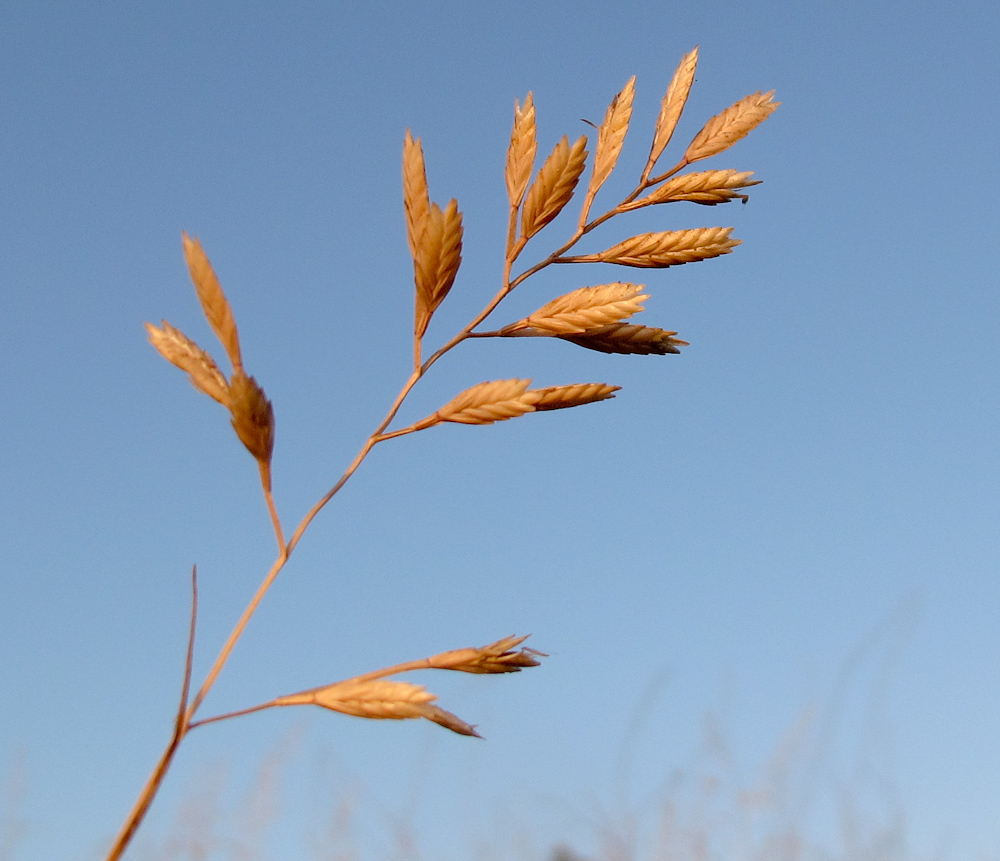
[184,721]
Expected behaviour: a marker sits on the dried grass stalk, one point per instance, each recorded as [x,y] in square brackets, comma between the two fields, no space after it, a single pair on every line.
[672,107]
[669,248]
[708,187]
[416,200]
[554,185]
[627,338]
[610,138]
[253,416]
[586,308]
[178,349]
[563,397]
[483,404]
[436,261]
[213,301]
[521,152]
[498,657]
[733,124]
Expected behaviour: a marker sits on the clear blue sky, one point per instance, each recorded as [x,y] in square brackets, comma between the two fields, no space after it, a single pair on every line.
[771,561]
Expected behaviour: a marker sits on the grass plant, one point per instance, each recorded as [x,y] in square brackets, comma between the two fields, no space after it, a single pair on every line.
[595,317]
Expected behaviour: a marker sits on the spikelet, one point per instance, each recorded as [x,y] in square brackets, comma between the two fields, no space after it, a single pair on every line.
[251,411]
[178,349]
[213,300]
[554,185]
[416,202]
[498,657]
[732,125]
[672,106]
[379,700]
[586,308]
[436,261]
[708,187]
[488,402]
[253,416]
[669,248]
[499,400]
[521,152]
[578,394]
[610,138]
[627,338]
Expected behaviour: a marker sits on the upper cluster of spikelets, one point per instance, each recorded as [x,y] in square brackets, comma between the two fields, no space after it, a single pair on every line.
[595,317]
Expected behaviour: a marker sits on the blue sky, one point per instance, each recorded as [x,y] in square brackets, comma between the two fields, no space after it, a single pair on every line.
[770,562]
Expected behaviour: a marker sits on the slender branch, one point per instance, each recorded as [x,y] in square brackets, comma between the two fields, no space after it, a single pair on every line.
[405,667]
[216,718]
[358,458]
[265,480]
[189,657]
[656,180]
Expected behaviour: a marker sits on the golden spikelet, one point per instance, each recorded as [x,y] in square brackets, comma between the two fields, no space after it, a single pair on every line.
[436,261]
[213,300]
[483,404]
[668,248]
[379,700]
[610,138]
[708,187]
[628,339]
[416,201]
[375,699]
[578,394]
[498,657]
[521,152]
[672,106]
[253,416]
[499,400]
[586,308]
[554,185]
[178,349]
[732,125]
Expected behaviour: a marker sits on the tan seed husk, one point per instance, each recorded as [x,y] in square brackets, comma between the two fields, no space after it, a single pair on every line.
[672,106]
[610,138]
[499,657]
[554,185]
[376,699]
[492,401]
[450,721]
[178,349]
[586,308]
[708,187]
[436,261]
[521,152]
[253,416]
[416,200]
[576,395]
[379,699]
[732,125]
[668,248]
[213,301]
[626,338]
